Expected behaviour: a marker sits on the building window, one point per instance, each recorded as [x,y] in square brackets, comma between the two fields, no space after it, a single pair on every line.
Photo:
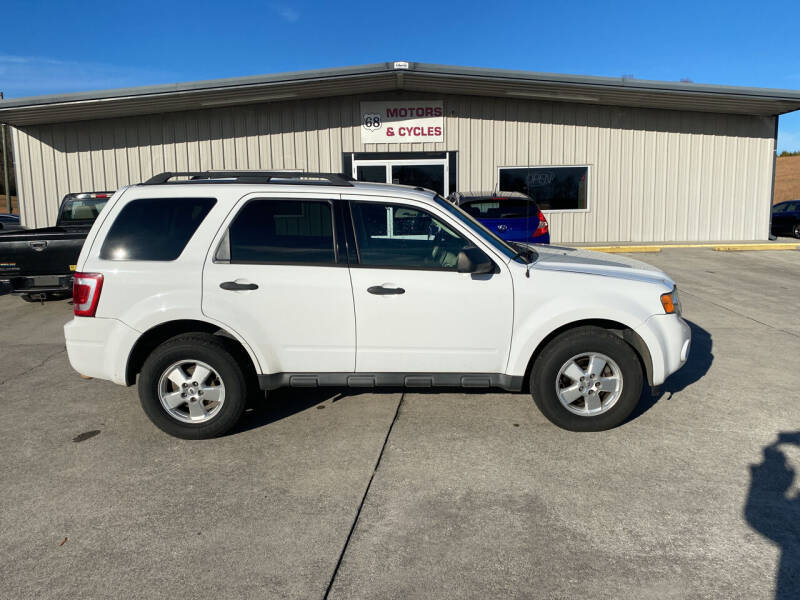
[553,188]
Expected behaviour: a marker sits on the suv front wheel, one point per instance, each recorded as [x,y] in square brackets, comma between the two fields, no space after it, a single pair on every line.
[192,387]
[587,379]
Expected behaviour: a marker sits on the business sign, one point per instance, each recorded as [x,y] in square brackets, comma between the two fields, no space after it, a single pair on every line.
[402,122]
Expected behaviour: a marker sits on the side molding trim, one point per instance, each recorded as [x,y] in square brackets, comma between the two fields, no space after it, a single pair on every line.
[509,383]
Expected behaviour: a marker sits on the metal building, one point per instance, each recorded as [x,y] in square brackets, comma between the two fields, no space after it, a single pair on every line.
[609,160]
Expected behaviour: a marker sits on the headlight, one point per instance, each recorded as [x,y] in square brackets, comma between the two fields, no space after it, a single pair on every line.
[671,302]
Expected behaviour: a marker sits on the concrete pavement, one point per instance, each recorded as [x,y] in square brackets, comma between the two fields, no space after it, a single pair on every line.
[474,495]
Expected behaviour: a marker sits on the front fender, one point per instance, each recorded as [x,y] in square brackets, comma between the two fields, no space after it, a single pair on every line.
[551,301]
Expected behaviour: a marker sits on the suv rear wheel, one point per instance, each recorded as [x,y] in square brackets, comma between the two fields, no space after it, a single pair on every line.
[192,387]
[587,379]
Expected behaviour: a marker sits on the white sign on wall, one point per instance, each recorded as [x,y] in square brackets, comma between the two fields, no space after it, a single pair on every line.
[402,122]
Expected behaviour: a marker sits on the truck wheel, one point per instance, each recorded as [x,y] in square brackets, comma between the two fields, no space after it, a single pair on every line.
[192,387]
[587,379]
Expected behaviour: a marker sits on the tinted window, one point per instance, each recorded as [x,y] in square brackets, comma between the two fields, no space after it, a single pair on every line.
[81,210]
[154,228]
[553,188]
[283,231]
[501,208]
[393,235]
[779,208]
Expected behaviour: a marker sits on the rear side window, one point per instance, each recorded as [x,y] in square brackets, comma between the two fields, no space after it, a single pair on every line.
[154,228]
[283,232]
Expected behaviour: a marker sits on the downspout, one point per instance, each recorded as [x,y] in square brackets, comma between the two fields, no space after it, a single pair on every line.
[18,174]
[6,188]
[5,164]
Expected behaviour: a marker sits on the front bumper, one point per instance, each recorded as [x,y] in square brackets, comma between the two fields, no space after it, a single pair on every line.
[668,338]
[99,347]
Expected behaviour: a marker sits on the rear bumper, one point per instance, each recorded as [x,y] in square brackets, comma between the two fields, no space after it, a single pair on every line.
[33,284]
[668,338]
[99,347]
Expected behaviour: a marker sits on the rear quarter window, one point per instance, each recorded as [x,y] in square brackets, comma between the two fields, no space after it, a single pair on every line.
[154,228]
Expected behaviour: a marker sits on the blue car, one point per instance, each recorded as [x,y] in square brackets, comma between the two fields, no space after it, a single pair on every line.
[511,215]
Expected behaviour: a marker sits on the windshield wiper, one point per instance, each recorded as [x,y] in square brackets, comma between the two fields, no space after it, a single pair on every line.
[528,254]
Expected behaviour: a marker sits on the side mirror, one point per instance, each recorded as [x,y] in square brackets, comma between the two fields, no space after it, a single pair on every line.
[474,260]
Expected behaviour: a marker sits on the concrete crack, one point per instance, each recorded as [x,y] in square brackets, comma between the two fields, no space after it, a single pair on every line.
[684,291]
[363,499]
[34,367]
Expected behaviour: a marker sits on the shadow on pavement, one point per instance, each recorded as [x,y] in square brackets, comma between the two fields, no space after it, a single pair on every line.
[282,403]
[700,358]
[773,510]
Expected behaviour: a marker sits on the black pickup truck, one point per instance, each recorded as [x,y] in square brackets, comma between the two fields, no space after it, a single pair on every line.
[38,263]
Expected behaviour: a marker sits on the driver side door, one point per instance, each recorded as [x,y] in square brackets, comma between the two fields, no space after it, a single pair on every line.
[414,312]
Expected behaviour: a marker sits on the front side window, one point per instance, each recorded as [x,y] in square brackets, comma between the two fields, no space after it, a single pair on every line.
[283,232]
[154,228]
[398,236]
[552,188]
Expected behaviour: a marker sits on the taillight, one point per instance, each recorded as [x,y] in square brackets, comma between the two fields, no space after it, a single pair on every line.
[543,227]
[86,293]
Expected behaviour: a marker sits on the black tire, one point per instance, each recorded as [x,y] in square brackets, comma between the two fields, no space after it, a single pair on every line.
[212,350]
[572,343]
[796,230]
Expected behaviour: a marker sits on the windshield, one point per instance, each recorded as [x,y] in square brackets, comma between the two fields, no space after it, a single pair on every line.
[85,209]
[487,235]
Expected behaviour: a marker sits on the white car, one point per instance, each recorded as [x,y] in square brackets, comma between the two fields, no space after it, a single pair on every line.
[206,285]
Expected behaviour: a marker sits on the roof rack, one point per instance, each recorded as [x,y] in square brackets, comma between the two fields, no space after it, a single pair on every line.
[282,177]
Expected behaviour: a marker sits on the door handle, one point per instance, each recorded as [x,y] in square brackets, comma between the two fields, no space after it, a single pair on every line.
[38,245]
[235,286]
[383,291]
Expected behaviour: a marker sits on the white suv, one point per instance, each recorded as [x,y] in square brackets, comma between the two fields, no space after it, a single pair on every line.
[206,285]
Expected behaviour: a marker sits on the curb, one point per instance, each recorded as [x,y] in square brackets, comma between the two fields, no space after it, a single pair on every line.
[741,247]
[716,247]
[613,249]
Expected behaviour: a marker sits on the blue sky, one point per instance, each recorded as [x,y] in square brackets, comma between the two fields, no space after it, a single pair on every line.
[52,47]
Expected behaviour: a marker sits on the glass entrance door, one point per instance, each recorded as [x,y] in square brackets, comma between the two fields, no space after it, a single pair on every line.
[430,173]
[428,176]
[373,173]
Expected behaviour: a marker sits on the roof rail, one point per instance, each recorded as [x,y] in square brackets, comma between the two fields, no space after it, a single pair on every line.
[284,177]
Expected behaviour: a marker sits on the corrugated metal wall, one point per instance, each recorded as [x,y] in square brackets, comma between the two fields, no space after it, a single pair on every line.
[655,175]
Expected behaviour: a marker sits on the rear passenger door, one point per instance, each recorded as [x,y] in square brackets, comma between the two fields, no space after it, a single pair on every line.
[277,274]
[779,217]
[794,211]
